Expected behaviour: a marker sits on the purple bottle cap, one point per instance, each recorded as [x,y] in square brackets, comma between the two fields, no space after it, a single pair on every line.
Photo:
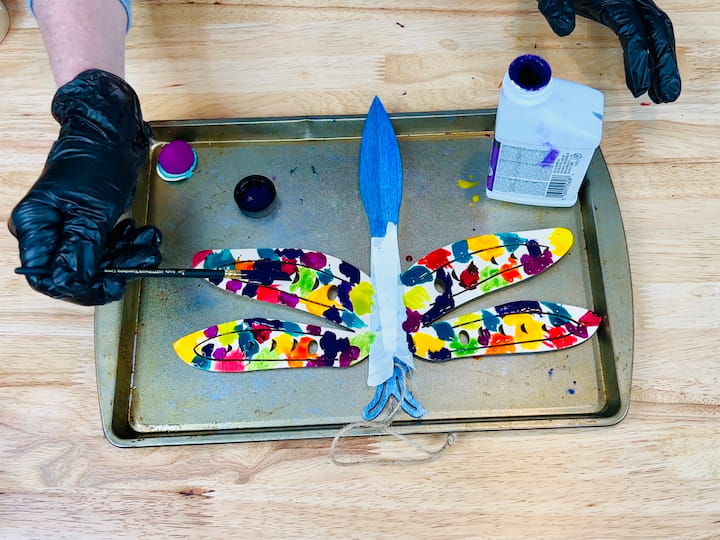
[176,161]
[530,72]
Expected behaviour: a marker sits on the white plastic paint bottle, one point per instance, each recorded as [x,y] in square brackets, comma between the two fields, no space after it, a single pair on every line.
[546,132]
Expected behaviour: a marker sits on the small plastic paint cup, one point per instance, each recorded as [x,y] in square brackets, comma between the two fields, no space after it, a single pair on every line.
[176,161]
[255,196]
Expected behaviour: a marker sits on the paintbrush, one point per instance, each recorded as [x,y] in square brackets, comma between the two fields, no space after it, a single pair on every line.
[269,272]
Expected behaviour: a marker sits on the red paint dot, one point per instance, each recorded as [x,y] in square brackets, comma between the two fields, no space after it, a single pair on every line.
[436,259]
[645,104]
[408,258]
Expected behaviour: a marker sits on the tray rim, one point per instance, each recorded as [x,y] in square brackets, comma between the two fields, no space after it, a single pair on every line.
[107,345]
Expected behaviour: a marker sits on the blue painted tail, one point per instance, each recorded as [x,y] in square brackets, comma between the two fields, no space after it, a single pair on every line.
[380,170]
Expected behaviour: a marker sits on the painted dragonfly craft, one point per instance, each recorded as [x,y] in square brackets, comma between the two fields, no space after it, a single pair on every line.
[391,316]
[433,287]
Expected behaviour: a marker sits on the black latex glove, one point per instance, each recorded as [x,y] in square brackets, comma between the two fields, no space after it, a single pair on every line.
[65,222]
[646,36]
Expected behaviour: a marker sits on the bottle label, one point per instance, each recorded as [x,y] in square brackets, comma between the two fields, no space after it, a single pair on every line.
[545,172]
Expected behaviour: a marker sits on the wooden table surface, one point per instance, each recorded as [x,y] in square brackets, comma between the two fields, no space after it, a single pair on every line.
[656,474]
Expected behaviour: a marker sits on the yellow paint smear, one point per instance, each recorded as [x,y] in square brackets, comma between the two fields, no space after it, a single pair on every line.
[417,298]
[283,345]
[317,301]
[185,346]
[424,343]
[466,184]
[561,240]
[486,246]
[361,297]
[531,338]
[469,321]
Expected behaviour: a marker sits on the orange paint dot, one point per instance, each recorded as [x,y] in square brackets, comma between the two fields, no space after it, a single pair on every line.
[501,344]
[509,271]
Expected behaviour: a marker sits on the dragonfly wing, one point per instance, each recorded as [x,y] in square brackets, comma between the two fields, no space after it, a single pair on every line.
[463,271]
[261,344]
[515,327]
[308,280]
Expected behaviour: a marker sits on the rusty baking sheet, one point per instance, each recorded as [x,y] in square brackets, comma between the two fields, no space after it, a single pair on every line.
[149,397]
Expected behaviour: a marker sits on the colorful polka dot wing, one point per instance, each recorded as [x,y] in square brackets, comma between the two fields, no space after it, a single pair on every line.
[435,286]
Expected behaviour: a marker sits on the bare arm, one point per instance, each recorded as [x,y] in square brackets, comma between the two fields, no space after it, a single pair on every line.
[81,35]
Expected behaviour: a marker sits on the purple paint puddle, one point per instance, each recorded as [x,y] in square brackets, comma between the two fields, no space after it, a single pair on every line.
[550,158]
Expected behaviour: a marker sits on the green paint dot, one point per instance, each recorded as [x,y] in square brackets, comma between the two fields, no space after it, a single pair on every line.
[464,349]
[491,279]
[363,342]
[258,364]
[306,281]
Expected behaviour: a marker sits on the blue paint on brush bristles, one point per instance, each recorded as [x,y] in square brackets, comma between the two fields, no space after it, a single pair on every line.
[380,160]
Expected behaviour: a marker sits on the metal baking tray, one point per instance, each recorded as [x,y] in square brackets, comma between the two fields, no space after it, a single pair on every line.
[148,396]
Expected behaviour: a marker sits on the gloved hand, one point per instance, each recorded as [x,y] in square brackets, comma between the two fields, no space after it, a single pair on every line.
[65,222]
[646,36]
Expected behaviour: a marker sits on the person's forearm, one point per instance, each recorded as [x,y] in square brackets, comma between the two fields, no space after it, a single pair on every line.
[81,35]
